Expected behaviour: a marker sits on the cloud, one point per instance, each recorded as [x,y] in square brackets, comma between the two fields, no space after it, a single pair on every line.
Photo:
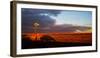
[40,16]
[46,23]
[65,28]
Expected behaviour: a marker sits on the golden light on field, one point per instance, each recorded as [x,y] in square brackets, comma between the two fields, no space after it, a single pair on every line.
[84,37]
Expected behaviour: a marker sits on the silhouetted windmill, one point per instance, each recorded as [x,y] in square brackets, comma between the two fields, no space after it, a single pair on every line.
[35,27]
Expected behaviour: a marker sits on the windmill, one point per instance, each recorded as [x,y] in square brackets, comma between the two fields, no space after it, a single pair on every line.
[35,27]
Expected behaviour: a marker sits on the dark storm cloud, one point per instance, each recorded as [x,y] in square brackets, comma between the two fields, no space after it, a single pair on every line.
[41,16]
[46,22]
[35,12]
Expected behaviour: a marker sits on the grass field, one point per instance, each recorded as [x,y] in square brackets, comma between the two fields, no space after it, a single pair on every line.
[49,40]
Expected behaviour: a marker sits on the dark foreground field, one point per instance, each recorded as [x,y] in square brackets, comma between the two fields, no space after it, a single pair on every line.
[56,40]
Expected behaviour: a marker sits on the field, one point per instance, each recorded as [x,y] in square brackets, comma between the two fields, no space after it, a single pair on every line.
[49,40]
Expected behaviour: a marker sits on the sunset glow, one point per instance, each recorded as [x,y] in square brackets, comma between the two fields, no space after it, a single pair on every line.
[55,28]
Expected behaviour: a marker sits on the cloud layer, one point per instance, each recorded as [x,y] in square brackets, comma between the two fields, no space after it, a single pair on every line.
[46,23]
[31,16]
[65,28]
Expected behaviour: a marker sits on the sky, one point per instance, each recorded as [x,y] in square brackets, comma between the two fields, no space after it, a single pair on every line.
[58,20]
[83,18]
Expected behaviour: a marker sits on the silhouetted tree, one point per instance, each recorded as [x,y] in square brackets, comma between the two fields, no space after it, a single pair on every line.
[47,38]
